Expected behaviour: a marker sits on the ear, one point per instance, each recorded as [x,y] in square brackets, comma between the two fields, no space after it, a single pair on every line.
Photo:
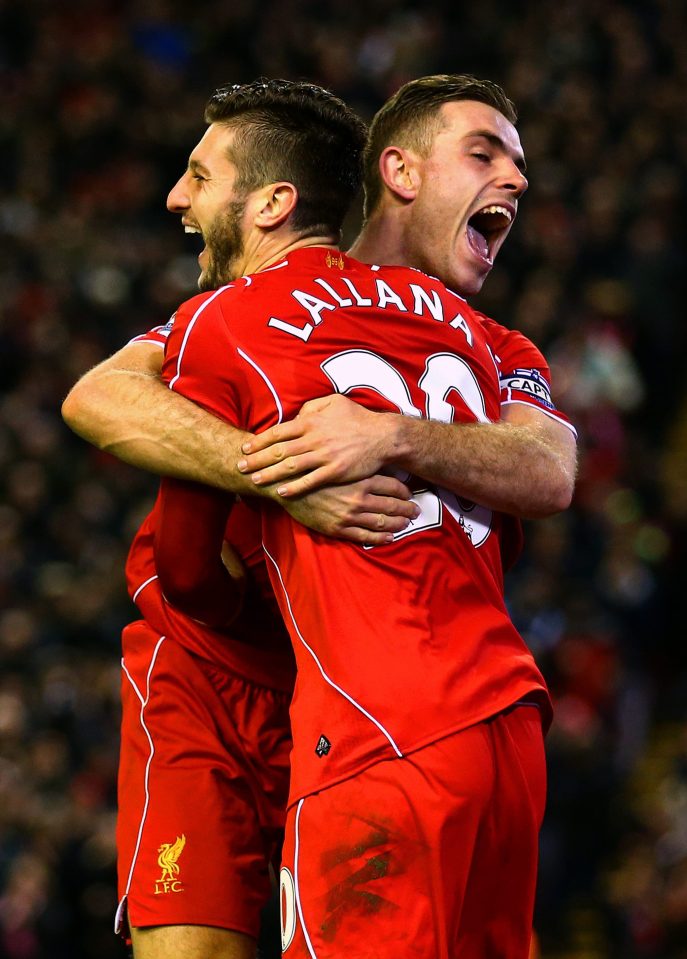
[400,173]
[275,204]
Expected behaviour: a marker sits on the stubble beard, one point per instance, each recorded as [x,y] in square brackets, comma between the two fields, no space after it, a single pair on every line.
[224,243]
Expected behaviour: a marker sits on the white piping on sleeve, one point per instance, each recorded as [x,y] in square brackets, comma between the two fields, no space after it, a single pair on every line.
[550,413]
[142,587]
[188,331]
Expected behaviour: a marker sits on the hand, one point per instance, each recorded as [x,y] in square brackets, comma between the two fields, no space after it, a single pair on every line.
[332,440]
[368,512]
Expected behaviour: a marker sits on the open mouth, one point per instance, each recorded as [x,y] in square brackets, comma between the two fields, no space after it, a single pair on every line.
[192,228]
[485,227]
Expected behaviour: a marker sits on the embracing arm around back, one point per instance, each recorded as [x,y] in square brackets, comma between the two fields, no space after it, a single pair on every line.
[123,407]
[523,465]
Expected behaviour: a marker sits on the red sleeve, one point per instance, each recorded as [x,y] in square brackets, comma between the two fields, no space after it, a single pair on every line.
[157,335]
[201,360]
[524,374]
[188,546]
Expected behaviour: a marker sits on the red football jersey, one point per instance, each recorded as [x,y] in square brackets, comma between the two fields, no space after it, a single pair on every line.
[256,646]
[524,374]
[398,645]
[525,378]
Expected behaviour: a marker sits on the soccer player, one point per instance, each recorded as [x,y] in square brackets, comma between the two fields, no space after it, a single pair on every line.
[174,428]
[441,195]
[203,778]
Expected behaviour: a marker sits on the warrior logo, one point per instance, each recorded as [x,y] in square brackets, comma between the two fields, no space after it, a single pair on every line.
[167,860]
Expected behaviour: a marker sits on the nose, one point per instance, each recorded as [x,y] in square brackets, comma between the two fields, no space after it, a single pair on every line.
[515,181]
[178,199]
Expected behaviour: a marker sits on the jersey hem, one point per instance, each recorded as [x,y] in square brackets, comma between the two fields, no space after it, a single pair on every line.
[527,696]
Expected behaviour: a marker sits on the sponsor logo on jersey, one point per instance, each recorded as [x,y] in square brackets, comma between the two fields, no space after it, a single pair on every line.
[168,861]
[323,746]
[167,328]
[531,382]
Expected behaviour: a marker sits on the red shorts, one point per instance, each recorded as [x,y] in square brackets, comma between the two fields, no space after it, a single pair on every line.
[203,782]
[433,856]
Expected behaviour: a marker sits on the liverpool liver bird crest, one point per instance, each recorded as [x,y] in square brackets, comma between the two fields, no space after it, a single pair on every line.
[167,860]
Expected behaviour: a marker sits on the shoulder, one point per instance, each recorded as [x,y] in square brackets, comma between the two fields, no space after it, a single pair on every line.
[511,345]
[196,312]
[202,301]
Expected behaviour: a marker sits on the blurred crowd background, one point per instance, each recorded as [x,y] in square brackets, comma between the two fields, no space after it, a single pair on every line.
[100,104]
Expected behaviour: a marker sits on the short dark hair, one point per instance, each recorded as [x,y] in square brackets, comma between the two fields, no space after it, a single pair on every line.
[410,118]
[295,131]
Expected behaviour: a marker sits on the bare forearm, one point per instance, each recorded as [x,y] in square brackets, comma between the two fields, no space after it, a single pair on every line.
[123,406]
[134,416]
[512,468]
[524,465]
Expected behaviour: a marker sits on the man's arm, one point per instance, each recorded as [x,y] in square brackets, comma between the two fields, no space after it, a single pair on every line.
[198,573]
[523,465]
[123,407]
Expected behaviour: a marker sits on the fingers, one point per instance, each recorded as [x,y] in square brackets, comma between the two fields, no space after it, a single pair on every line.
[310,481]
[381,523]
[389,508]
[399,508]
[365,537]
[374,529]
[276,454]
[321,403]
[310,463]
[368,512]
[382,485]
[290,430]
[315,478]
[382,514]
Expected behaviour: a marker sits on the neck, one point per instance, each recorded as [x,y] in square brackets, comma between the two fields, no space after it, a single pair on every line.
[273,248]
[381,240]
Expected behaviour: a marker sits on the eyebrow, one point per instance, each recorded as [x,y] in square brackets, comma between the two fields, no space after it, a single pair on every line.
[497,142]
[195,166]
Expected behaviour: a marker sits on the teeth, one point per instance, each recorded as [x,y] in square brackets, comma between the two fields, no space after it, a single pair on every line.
[191,229]
[498,209]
